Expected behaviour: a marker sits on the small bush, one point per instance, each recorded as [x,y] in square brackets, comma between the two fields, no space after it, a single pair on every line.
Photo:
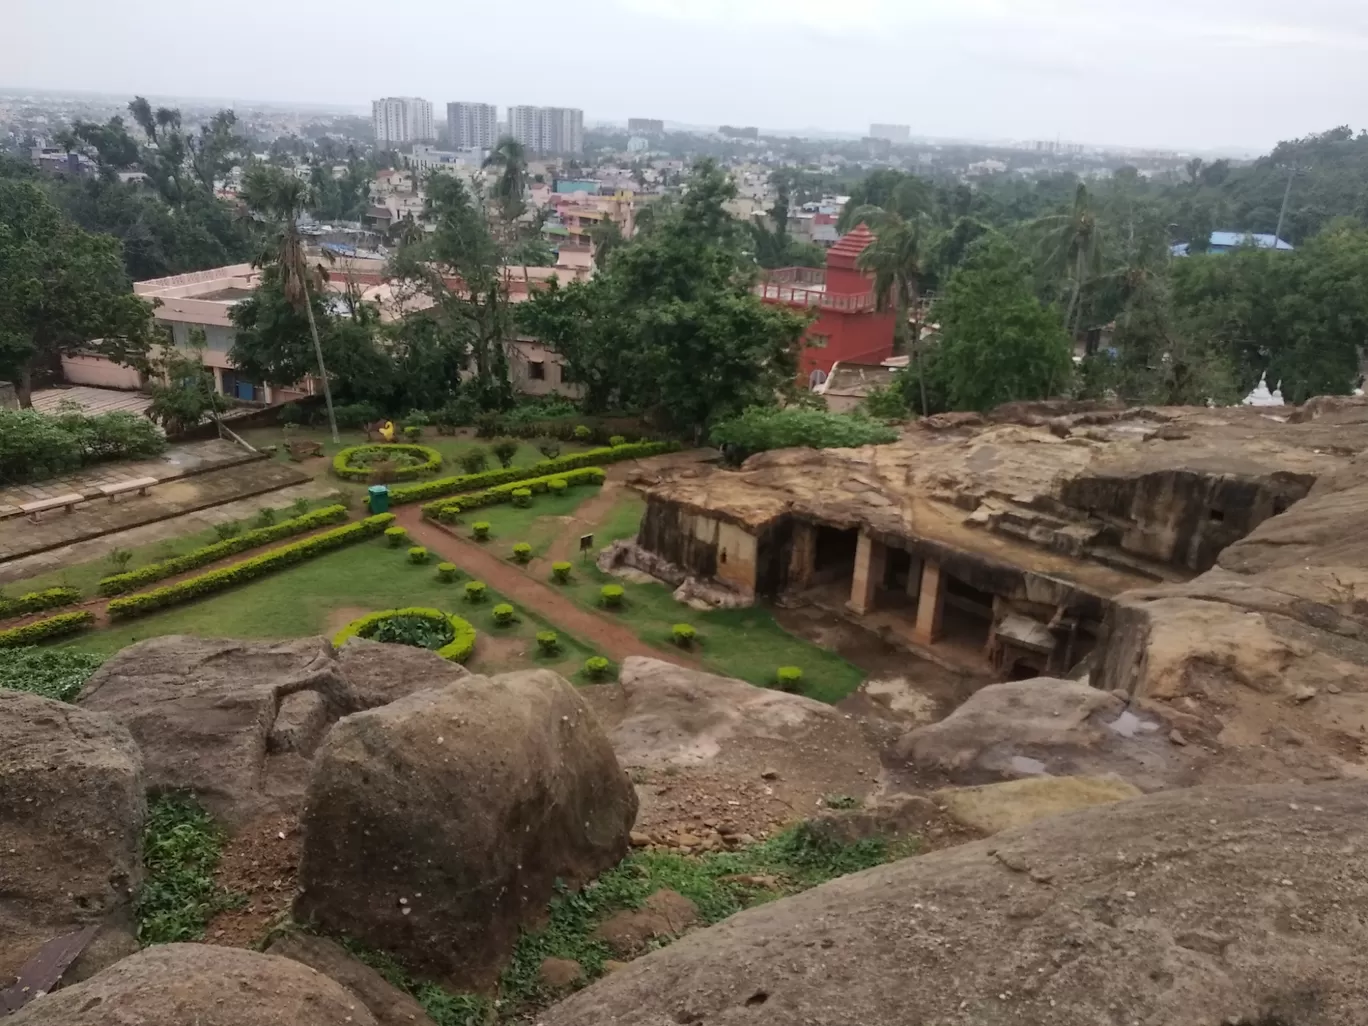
[383,462]
[522,497]
[413,432]
[119,560]
[265,517]
[41,630]
[356,415]
[684,634]
[299,507]
[291,414]
[504,450]
[548,642]
[549,447]
[617,440]
[446,572]
[582,433]
[504,614]
[229,530]
[475,591]
[611,595]
[418,554]
[596,667]
[475,461]
[396,536]
[449,636]
[557,485]
[56,673]
[560,572]
[762,428]
[522,552]
[789,677]
[480,530]
[37,601]
[417,418]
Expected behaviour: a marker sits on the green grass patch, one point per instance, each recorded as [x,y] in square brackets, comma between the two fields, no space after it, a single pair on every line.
[623,521]
[452,447]
[442,1006]
[51,672]
[534,524]
[181,849]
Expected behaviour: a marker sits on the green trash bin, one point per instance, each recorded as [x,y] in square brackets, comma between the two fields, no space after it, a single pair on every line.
[379,499]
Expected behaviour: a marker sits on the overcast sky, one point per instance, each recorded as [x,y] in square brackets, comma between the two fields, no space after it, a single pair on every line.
[1180,73]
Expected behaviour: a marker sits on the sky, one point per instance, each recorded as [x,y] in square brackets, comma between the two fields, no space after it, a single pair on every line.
[1180,74]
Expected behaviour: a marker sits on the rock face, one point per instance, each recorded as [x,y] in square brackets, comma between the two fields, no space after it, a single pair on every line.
[438,825]
[184,984]
[991,808]
[388,1004]
[72,808]
[1056,727]
[377,674]
[1209,905]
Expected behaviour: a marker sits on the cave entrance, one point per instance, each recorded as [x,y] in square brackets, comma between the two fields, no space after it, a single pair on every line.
[968,617]
[834,558]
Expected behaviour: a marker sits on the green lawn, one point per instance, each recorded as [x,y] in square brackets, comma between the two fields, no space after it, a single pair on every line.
[537,524]
[452,447]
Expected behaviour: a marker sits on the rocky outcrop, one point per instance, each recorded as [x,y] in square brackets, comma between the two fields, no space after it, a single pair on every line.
[439,825]
[1211,905]
[377,674]
[72,808]
[199,985]
[992,808]
[388,1004]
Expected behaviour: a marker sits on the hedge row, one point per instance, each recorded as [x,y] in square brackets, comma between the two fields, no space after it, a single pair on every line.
[37,601]
[457,650]
[546,468]
[120,584]
[447,510]
[43,630]
[249,569]
[432,460]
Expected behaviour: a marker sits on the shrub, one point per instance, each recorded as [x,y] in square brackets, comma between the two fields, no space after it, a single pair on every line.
[548,642]
[239,541]
[37,601]
[557,485]
[42,630]
[504,450]
[291,414]
[788,677]
[229,530]
[396,536]
[414,631]
[582,433]
[617,440]
[684,634]
[356,415]
[522,552]
[418,554]
[475,591]
[549,447]
[413,431]
[504,614]
[416,418]
[34,446]
[596,667]
[445,509]
[446,572]
[480,530]
[762,428]
[265,517]
[522,496]
[458,649]
[394,461]
[611,595]
[55,673]
[299,507]
[474,461]
[560,572]
[249,569]
[119,560]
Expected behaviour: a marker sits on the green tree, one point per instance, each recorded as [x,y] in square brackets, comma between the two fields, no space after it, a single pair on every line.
[510,188]
[183,393]
[898,259]
[1070,249]
[997,344]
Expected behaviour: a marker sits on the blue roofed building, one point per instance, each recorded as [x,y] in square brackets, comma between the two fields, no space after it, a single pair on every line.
[1224,242]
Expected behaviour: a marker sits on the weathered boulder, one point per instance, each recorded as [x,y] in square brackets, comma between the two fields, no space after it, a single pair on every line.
[387,1003]
[1056,727]
[299,724]
[665,913]
[185,984]
[72,806]
[435,827]
[377,674]
[1206,905]
[991,808]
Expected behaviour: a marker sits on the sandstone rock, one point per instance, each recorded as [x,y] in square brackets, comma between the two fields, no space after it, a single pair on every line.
[890,820]
[300,723]
[199,985]
[1162,909]
[388,1004]
[560,973]
[665,913]
[377,674]
[435,827]
[1055,727]
[72,806]
[991,808]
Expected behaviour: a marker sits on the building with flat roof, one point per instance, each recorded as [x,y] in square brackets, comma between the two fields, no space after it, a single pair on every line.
[473,126]
[547,129]
[891,133]
[402,119]
[645,126]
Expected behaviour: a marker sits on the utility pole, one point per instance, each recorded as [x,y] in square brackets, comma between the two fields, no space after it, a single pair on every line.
[1287,195]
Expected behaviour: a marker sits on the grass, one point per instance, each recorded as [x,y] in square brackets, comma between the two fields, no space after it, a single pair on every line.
[622,521]
[181,850]
[50,672]
[534,524]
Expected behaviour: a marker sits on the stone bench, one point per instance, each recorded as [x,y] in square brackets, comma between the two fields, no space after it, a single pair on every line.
[136,484]
[33,509]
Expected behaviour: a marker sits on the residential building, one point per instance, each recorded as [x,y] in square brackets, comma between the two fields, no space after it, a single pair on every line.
[547,129]
[402,119]
[897,134]
[1226,242]
[473,126]
[536,369]
[426,159]
[645,126]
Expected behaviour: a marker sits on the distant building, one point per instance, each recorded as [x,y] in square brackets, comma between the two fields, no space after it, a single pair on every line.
[402,119]
[638,144]
[473,126]
[1225,242]
[732,132]
[426,159]
[645,126]
[898,134]
[547,129]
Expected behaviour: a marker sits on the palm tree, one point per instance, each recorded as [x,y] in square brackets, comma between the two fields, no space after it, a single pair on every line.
[510,157]
[279,199]
[1072,242]
[898,256]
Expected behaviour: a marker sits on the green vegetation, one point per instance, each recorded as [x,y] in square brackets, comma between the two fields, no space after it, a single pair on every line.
[504,614]
[611,596]
[789,677]
[449,636]
[35,446]
[395,461]
[181,849]
[684,634]
[762,428]
[53,673]
[37,601]
[45,630]
[395,536]
[475,591]
[447,572]
[522,553]
[418,554]
[548,642]
[560,572]
[596,668]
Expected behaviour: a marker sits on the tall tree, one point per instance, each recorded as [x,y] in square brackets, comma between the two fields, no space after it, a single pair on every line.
[1070,248]
[510,187]
[898,257]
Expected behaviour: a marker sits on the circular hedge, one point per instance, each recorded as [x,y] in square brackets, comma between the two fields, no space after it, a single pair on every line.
[458,649]
[354,463]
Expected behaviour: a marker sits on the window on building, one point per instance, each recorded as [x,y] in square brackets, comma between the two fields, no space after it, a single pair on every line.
[536,370]
[818,341]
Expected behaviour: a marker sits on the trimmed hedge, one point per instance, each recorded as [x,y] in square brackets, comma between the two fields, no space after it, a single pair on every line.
[475,591]
[611,595]
[596,667]
[446,572]
[248,570]
[560,572]
[432,460]
[789,677]
[522,553]
[546,468]
[418,554]
[457,650]
[37,601]
[548,642]
[43,630]
[396,536]
[447,510]
[119,584]
[683,634]
[504,614]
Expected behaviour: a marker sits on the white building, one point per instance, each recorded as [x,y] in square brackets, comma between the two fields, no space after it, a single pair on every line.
[402,119]
[547,129]
[898,134]
[473,126]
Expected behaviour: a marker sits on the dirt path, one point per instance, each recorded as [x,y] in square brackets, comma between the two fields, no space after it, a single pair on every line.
[611,639]
[585,519]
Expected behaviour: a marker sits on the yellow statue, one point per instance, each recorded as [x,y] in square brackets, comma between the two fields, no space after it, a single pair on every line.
[387,432]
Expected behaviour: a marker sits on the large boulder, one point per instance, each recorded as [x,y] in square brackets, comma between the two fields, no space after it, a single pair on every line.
[1205,905]
[387,1003]
[377,673]
[72,806]
[199,985]
[437,826]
